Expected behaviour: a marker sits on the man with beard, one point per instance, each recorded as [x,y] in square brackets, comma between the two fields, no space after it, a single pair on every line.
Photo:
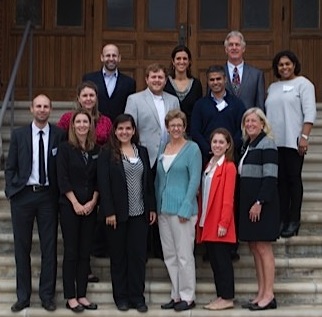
[31,186]
[113,86]
[219,109]
[113,89]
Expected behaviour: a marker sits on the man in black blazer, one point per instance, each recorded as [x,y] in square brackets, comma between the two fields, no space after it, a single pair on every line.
[33,196]
[113,86]
[251,88]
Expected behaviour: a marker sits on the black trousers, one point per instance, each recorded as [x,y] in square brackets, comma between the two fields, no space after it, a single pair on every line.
[77,234]
[290,185]
[26,206]
[220,260]
[127,245]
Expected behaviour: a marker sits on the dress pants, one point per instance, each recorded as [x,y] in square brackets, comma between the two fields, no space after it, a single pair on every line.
[77,235]
[220,260]
[178,245]
[26,206]
[128,249]
[290,184]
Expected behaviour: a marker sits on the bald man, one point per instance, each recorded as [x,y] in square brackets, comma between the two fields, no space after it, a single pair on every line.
[113,86]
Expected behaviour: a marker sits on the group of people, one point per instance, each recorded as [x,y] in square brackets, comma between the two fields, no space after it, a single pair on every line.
[212,169]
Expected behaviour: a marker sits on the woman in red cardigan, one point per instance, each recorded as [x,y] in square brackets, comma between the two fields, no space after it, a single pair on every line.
[216,226]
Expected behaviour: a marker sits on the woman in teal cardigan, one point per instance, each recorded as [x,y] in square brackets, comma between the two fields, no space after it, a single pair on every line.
[177,182]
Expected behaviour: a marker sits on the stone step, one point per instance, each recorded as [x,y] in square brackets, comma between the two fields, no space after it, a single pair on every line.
[286,268]
[109,310]
[313,161]
[298,292]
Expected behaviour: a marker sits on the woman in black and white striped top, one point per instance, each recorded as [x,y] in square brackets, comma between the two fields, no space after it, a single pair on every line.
[128,202]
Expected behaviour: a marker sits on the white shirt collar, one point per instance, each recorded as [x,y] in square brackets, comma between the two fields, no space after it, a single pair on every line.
[105,73]
[36,130]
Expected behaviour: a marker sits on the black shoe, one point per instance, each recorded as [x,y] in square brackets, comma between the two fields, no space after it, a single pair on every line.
[49,305]
[92,279]
[169,305]
[123,306]
[90,306]
[291,230]
[183,305]
[271,305]
[18,306]
[141,307]
[235,256]
[76,309]
[247,304]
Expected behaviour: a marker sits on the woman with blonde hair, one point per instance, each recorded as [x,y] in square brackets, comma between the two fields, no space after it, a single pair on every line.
[258,203]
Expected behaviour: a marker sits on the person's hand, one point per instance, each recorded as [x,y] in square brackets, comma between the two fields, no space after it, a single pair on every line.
[78,208]
[182,220]
[111,221]
[88,207]
[221,231]
[255,212]
[153,217]
[303,146]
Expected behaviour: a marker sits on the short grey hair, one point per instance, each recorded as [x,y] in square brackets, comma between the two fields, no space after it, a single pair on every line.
[237,34]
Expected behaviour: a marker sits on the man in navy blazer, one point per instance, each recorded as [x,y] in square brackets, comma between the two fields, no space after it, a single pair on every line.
[113,86]
[252,86]
[32,198]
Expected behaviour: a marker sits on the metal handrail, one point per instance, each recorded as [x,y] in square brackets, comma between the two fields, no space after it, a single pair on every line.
[11,85]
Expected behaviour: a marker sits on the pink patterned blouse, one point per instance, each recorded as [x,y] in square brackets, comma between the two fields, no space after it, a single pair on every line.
[102,129]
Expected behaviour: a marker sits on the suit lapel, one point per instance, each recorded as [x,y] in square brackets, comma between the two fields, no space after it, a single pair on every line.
[51,139]
[102,84]
[29,141]
[245,77]
[150,105]
[214,184]
[229,85]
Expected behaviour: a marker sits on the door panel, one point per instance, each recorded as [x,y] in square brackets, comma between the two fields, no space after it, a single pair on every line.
[200,24]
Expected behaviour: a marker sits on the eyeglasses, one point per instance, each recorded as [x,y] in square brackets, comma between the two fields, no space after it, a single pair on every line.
[173,126]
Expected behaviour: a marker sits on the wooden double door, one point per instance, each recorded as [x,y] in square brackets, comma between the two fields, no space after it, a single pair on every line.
[201,25]
[66,46]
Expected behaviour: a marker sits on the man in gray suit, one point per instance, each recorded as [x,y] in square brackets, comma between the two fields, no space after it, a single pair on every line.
[149,108]
[245,81]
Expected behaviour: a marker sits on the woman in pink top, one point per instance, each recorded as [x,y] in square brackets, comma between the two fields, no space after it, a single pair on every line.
[87,99]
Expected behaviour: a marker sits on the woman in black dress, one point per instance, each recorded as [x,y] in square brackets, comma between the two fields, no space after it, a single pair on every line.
[181,83]
[259,204]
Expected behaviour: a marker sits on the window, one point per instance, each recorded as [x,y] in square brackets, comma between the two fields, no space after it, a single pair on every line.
[28,10]
[69,13]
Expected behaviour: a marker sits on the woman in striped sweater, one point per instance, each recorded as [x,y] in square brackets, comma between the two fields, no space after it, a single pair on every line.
[259,203]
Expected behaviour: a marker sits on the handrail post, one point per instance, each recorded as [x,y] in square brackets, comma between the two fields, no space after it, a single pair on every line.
[12,80]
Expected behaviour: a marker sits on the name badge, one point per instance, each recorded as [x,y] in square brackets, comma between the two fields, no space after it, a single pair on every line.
[287,88]
[222,105]
[54,151]
[133,160]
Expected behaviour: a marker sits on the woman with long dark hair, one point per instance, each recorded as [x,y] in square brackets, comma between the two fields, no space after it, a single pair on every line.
[128,203]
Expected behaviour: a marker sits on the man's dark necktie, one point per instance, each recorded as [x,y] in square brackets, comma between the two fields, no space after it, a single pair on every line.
[236,81]
[42,169]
